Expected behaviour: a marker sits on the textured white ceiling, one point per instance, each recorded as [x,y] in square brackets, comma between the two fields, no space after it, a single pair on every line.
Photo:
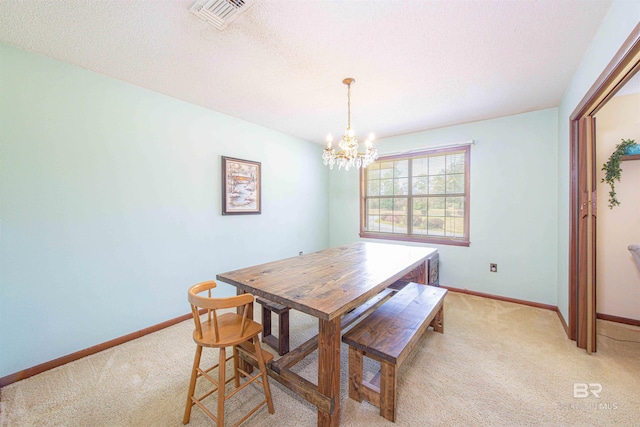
[418,64]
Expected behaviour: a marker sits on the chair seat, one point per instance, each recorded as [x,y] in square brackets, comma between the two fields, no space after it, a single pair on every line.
[251,350]
[228,326]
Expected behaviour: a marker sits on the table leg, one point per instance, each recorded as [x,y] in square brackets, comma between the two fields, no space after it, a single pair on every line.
[243,364]
[329,369]
[418,275]
[422,274]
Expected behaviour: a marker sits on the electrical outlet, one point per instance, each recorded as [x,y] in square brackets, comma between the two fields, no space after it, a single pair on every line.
[493,268]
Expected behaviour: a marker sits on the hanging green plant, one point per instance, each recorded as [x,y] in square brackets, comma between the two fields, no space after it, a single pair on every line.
[612,169]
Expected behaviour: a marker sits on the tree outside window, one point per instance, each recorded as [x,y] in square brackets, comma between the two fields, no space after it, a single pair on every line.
[422,197]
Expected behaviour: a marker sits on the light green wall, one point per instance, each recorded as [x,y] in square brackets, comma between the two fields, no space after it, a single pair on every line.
[110,201]
[110,206]
[513,205]
[618,24]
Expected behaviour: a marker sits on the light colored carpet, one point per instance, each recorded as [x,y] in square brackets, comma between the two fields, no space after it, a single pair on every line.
[496,364]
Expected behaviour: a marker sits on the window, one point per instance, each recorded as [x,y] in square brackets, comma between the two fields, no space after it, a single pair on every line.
[422,197]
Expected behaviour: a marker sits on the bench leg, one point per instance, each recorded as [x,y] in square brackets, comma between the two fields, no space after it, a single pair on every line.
[355,374]
[283,333]
[266,323]
[281,342]
[388,390]
[438,321]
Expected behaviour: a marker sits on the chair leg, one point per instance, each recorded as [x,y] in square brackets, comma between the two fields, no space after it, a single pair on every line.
[263,370]
[221,386]
[236,365]
[192,385]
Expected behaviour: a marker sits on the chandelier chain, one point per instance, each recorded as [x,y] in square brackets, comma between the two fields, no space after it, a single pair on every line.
[349,106]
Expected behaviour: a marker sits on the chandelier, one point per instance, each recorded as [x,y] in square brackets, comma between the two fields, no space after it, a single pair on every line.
[348,155]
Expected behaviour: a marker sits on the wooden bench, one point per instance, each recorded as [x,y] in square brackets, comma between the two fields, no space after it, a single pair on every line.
[388,335]
[280,344]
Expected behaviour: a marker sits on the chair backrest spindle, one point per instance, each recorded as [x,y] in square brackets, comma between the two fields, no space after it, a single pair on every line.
[244,318]
[196,319]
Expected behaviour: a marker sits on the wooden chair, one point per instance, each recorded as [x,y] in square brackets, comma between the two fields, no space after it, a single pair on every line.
[222,331]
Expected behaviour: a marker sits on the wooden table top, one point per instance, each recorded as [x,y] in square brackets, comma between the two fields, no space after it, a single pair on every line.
[329,283]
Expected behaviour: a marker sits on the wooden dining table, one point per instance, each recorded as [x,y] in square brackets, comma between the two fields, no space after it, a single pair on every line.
[335,285]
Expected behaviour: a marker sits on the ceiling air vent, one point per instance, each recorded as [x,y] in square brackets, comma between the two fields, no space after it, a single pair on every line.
[220,13]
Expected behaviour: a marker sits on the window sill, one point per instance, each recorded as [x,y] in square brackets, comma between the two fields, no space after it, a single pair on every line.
[421,239]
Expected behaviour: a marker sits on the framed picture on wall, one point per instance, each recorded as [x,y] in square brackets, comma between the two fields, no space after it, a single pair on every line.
[241,187]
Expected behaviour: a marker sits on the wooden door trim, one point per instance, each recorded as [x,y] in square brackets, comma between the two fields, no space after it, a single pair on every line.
[611,78]
[620,69]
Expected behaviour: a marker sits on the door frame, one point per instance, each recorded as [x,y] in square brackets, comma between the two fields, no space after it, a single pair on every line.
[622,67]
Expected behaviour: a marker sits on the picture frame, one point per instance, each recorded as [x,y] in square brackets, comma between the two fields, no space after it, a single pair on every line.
[241,187]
